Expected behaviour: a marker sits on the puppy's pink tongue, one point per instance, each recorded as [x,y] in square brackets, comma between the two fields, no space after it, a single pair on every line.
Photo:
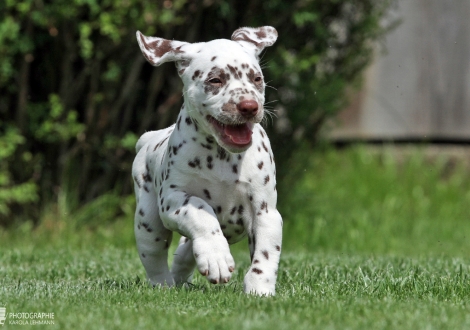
[239,134]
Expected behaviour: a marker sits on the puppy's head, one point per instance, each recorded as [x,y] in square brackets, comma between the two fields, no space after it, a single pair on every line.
[223,82]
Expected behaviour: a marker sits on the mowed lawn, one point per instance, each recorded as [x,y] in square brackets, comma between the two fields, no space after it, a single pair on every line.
[372,240]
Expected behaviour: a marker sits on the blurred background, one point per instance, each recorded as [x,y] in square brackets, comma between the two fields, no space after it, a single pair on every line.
[419,88]
[76,93]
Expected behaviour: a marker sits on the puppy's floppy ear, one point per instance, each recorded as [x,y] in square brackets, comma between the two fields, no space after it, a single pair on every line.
[255,39]
[158,50]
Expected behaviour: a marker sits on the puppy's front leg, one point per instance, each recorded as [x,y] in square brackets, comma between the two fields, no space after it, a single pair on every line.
[265,243]
[192,217]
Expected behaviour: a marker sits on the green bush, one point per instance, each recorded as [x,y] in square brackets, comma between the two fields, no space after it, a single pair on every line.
[12,195]
[79,92]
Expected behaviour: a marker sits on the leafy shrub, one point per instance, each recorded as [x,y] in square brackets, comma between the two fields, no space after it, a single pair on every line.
[12,194]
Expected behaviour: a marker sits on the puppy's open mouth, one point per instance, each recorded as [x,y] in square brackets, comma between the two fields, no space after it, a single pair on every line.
[234,135]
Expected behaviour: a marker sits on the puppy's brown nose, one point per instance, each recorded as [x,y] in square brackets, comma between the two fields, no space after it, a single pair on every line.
[248,108]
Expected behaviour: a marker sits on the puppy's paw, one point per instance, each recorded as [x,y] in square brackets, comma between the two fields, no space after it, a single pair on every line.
[258,282]
[213,258]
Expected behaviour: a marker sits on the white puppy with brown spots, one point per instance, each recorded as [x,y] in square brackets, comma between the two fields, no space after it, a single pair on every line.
[210,176]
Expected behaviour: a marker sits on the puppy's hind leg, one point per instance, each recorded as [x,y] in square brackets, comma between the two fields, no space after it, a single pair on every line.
[152,238]
[183,263]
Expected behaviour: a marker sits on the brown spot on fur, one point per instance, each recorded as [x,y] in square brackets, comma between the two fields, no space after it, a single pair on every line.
[234,71]
[194,163]
[147,177]
[264,147]
[266,179]
[264,206]
[257,271]
[206,146]
[230,106]
[261,33]
[207,193]
[209,162]
[222,154]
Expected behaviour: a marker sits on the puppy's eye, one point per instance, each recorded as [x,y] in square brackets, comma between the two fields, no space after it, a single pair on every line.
[215,81]
[258,79]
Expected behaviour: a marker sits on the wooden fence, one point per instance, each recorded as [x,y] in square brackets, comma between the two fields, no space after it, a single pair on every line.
[419,88]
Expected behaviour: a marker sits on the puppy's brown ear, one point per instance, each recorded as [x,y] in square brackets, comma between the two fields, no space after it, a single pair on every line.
[255,39]
[158,50]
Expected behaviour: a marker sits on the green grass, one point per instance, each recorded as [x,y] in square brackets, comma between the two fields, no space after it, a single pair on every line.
[371,242]
[393,200]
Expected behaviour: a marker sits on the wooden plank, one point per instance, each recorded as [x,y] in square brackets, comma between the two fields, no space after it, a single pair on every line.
[420,88]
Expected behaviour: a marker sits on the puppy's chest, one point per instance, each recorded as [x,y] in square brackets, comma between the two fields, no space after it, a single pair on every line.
[198,164]
[230,184]
[231,203]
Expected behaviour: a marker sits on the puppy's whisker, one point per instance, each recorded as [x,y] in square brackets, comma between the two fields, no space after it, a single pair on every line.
[271,102]
[264,64]
[272,87]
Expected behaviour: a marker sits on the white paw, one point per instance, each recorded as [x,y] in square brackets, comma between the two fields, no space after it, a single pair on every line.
[213,258]
[258,283]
